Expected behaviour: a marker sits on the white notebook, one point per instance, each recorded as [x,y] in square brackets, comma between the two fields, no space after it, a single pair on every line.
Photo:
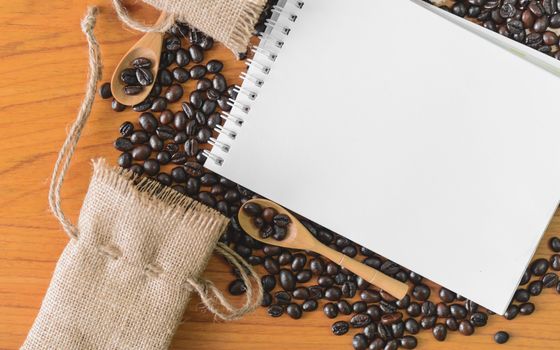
[406,130]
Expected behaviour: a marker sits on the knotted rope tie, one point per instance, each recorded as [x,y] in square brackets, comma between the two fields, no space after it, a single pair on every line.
[209,292]
[160,26]
[69,146]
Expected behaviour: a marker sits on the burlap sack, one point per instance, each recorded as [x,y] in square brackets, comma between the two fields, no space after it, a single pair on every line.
[228,21]
[132,262]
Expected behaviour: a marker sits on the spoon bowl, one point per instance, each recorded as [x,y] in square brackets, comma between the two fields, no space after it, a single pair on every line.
[149,46]
[299,237]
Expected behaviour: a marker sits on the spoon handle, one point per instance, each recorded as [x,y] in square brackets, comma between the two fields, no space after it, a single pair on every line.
[392,286]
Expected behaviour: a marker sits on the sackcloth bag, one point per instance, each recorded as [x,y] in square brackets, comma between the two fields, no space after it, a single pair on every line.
[133,259]
[229,21]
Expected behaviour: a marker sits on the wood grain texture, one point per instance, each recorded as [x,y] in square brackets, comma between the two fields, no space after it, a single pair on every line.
[43,69]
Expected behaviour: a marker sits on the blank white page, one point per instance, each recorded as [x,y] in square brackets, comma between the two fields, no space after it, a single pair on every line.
[410,135]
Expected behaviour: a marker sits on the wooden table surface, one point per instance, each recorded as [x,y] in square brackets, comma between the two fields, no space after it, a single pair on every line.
[43,69]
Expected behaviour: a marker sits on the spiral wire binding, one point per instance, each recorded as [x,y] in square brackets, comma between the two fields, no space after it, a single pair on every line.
[262,59]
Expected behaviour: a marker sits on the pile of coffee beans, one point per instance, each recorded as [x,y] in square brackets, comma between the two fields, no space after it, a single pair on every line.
[535,23]
[166,143]
[268,221]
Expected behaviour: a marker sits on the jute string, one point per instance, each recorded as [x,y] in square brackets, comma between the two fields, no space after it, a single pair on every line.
[160,26]
[207,290]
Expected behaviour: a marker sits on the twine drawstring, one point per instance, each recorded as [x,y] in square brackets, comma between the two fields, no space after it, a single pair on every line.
[206,289]
[160,26]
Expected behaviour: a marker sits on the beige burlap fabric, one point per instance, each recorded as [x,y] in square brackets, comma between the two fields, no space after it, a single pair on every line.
[228,21]
[134,258]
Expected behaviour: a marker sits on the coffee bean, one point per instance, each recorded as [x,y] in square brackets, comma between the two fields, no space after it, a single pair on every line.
[182,57]
[501,337]
[144,105]
[287,280]
[554,244]
[163,157]
[117,106]
[174,93]
[384,331]
[309,305]
[300,293]
[466,328]
[412,326]
[219,83]
[148,122]
[389,319]
[179,174]
[421,292]
[165,132]
[526,308]
[195,52]
[266,300]
[330,310]
[126,129]
[275,310]
[141,62]
[511,312]
[132,90]
[360,320]
[535,288]
[144,76]
[344,307]
[377,344]
[193,169]
[414,309]
[294,311]
[123,144]
[550,280]
[440,332]
[141,152]
[299,261]
[428,322]
[370,296]
[128,76]
[268,282]
[191,147]
[151,167]
[164,77]
[237,287]
[197,72]
[408,342]
[479,319]
[333,294]
[159,104]
[125,160]
[283,297]
[105,91]
[555,262]
[180,75]
[214,66]
[340,328]
[521,295]
[539,267]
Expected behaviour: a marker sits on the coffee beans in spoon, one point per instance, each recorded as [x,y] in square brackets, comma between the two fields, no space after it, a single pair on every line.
[138,76]
[269,222]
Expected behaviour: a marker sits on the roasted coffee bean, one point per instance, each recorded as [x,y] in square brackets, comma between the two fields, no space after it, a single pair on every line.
[268,282]
[535,288]
[330,310]
[511,312]
[164,77]
[412,326]
[163,157]
[340,328]
[414,309]
[398,329]
[442,310]
[389,268]
[360,320]
[206,42]
[287,280]
[174,93]
[179,158]
[315,292]
[126,129]
[179,174]
[132,90]
[554,244]
[164,179]
[166,117]
[144,105]
[182,57]
[237,287]
[479,319]
[298,262]
[180,137]
[344,307]
[555,262]
[501,337]
[458,311]
[191,147]
[144,76]
[408,342]
[159,104]
[141,62]
[521,295]
[439,332]
[219,83]
[125,160]
[428,322]
[377,344]
[214,66]
[151,167]
[421,292]
[105,91]
[181,75]
[387,307]
[452,324]
[213,120]
[128,76]
[360,342]
[203,135]
[550,280]
[208,199]
[209,107]
[466,328]
[195,52]
[224,103]
[389,319]
[309,305]
[283,297]
[193,169]
[359,307]
[123,144]
[300,293]
[539,267]
[333,294]
[268,215]
[148,122]
[266,299]
[384,331]
[349,289]
[172,43]
[294,311]
[275,310]
[165,132]
[197,72]
[117,106]
[370,296]
[141,152]
[526,308]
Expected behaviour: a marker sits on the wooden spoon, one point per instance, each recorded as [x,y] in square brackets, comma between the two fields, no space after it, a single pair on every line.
[299,237]
[149,46]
